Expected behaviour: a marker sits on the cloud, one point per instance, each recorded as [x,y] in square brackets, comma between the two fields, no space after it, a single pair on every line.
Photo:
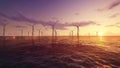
[58,25]
[76,14]
[110,6]
[83,23]
[4,15]
[110,25]
[22,18]
[114,25]
[19,26]
[100,9]
[3,22]
[114,15]
[114,4]
[60,28]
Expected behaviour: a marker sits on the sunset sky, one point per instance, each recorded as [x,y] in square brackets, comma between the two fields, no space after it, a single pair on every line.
[104,13]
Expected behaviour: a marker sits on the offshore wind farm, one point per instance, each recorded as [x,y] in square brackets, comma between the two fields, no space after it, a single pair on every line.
[59,34]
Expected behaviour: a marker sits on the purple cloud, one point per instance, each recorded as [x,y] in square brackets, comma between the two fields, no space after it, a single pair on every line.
[110,6]
[84,23]
[114,4]
[3,22]
[19,26]
[58,25]
[22,18]
[77,14]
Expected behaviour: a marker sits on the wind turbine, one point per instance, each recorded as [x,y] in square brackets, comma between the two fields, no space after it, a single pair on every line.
[39,34]
[77,34]
[71,36]
[53,32]
[81,24]
[4,31]
[77,25]
[55,35]
[28,35]
[21,30]
[32,25]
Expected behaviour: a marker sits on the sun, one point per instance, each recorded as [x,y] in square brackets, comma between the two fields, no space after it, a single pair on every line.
[100,33]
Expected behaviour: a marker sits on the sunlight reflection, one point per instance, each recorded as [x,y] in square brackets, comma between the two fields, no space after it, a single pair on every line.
[101,38]
[101,41]
[14,37]
[104,66]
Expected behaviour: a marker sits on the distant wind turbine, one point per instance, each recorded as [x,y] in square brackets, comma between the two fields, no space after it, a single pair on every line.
[33,30]
[53,32]
[55,35]
[28,35]
[78,34]
[80,24]
[21,30]
[71,36]
[4,31]
[39,34]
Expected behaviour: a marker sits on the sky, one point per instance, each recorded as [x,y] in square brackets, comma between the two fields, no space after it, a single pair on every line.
[91,15]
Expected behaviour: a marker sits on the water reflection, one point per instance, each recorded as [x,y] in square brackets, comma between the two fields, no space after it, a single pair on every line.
[101,38]
[104,66]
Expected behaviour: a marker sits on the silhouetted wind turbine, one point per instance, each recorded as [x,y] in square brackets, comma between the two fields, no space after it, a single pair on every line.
[53,30]
[33,30]
[78,33]
[55,35]
[21,30]
[39,34]
[72,35]
[28,35]
[4,31]
[78,24]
